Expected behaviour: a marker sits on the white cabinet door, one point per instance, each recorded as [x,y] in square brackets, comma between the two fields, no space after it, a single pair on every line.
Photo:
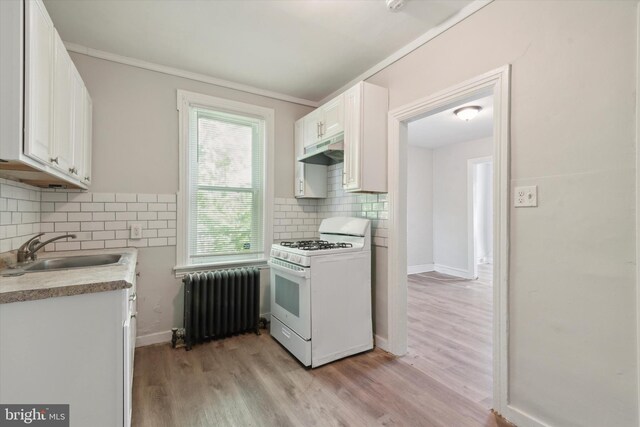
[332,117]
[352,138]
[78,137]
[310,181]
[63,86]
[38,80]
[88,137]
[311,128]
[298,182]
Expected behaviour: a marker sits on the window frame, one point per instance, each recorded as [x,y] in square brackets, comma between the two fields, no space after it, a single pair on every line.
[185,100]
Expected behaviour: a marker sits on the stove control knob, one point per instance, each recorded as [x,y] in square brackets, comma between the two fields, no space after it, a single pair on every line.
[285,255]
[298,259]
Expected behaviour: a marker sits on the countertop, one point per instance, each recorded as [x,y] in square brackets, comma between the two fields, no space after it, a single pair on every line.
[76,281]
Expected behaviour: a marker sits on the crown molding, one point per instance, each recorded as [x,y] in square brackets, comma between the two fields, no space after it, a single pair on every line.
[138,63]
[463,14]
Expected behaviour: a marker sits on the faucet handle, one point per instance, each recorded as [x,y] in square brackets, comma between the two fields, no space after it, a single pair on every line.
[28,242]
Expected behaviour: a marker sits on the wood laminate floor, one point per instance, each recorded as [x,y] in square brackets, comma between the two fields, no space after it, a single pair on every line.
[251,380]
[450,331]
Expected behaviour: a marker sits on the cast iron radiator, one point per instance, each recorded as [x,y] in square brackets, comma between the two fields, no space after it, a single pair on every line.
[220,303]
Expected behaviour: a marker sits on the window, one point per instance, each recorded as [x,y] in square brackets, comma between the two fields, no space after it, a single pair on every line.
[225,199]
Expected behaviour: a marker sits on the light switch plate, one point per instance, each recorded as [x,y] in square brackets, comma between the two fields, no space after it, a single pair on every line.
[526,197]
[135,231]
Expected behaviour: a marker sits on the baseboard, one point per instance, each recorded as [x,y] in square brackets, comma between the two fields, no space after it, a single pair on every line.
[155,338]
[381,343]
[452,271]
[422,268]
[165,336]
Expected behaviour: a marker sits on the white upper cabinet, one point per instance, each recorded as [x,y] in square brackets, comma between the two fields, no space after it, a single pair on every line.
[61,149]
[358,117]
[365,139]
[332,117]
[310,180]
[325,122]
[39,37]
[311,128]
[78,137]
[88,137]
[50,143]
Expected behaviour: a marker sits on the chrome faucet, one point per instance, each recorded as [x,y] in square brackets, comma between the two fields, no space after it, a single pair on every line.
[28,250]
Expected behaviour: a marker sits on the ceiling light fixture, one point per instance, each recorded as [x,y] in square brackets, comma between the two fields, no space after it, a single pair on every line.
[467,113]
[395,5]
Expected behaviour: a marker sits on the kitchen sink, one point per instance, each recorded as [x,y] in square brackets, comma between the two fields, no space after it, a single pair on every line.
[65,263]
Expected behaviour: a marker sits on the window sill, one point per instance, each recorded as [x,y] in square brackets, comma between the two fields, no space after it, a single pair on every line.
[182,270]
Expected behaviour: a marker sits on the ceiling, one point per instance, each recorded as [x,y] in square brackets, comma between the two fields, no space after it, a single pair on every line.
[305,49]
[444,127]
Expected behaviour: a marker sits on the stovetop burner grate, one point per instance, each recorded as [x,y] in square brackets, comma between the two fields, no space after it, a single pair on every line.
[315,245]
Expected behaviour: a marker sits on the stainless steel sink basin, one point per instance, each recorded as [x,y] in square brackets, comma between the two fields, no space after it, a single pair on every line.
[71,262]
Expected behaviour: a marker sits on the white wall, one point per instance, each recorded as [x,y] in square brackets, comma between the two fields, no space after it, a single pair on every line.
[135,150]
[450,216]
[483,212]
[419,209]
[572,287]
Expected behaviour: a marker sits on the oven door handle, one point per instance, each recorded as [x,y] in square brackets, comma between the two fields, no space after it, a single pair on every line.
[296,273]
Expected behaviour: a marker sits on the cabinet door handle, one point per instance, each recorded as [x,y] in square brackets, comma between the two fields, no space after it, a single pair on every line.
[133,297]
[301,186]
[73,170]
[321,129]
[54,160]
[134,315]
[86,178]
[344,178]
[318,129]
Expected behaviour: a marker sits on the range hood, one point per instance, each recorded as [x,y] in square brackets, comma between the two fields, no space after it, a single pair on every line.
[328,152]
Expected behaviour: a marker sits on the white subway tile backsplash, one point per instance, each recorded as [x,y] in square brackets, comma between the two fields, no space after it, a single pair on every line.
[108,244]
[80,197]
[92,207]
[92,226]
[104,216]
[148,215]
[79,216]
[166,198]
[67,226]
[104,197]
[93,244]
[103,235]
[157,206]
[136,207]
[147,198]
[125,216]
[126,197]
[149,233]
[54,197]
[102,220]
[115,207]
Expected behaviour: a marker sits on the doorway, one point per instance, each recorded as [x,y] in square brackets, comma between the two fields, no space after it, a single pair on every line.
[494,83]
[449,247]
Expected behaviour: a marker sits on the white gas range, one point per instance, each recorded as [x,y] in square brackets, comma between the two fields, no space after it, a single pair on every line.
[321,292]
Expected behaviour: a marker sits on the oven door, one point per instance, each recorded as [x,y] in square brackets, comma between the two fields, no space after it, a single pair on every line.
[291,296]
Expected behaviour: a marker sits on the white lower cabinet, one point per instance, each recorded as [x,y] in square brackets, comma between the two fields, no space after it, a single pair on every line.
[75,350]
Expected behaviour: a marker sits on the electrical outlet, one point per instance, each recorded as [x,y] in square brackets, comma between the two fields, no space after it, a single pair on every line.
[135,231]
[526,196]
